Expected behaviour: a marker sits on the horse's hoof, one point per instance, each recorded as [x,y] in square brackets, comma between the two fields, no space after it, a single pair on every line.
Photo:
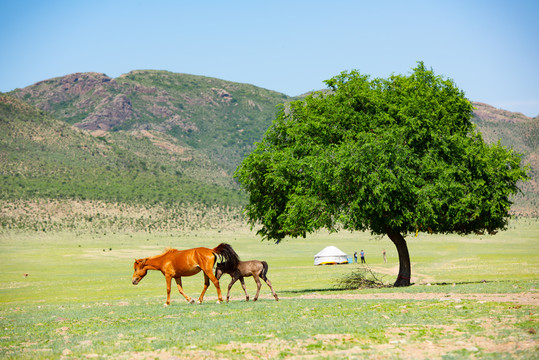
[191,301]
[218,301]
[165,304]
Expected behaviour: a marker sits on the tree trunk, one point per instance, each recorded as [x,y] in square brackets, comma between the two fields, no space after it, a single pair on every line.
[405,269]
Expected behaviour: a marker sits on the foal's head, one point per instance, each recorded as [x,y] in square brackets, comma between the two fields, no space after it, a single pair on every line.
[219,270]
[140,270]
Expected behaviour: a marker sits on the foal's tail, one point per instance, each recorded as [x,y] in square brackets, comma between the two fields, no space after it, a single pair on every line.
[226,253]
[264,271]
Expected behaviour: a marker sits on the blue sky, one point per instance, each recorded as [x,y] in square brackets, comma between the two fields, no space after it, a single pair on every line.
[489,48]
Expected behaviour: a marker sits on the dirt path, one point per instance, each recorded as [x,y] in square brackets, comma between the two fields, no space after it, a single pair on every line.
[526,298]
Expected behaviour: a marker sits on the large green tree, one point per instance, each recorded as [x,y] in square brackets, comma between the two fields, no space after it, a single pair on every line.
[393,156]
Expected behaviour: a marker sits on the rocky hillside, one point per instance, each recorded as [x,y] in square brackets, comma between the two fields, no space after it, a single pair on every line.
[522,134]
[219,118]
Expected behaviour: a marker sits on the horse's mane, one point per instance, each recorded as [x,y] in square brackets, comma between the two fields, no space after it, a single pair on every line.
[168,249]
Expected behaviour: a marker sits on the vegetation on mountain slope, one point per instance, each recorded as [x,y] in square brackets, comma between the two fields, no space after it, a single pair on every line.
[44,158]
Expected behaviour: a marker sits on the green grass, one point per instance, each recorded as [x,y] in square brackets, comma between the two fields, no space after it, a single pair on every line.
[78,300]
[300,327]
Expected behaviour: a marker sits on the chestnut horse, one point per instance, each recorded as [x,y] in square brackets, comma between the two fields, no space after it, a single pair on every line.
[177,263]
[255,268]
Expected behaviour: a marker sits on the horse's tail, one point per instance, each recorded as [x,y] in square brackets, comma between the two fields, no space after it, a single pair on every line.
[226,253]
[264,270]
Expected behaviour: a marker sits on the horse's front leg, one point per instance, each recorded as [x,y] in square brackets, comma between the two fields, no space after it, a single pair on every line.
[168,280]
[258,286]
[180,289]
[230,287]
[242,281]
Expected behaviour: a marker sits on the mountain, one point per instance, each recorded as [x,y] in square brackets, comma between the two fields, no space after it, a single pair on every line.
[78,148]
[517,131]
[146,140]
[220,119]
[56,176]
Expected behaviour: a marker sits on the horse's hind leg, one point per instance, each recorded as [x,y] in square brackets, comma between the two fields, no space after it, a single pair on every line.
[208,275]
[180,289]
[206,284]
[244,288]
[271,287]
[232,281]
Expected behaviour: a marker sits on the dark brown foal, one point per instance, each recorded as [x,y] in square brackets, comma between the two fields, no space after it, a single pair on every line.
[255,268]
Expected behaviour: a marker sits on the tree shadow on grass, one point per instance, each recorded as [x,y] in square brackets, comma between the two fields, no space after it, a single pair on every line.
[337,288]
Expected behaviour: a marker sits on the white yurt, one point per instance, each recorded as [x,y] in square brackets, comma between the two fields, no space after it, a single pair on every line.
[330,255]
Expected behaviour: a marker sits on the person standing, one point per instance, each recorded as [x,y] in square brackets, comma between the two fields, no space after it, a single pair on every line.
[355,257]
[384,255]
[362,253]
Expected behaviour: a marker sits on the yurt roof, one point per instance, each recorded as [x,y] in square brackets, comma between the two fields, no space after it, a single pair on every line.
[331,251]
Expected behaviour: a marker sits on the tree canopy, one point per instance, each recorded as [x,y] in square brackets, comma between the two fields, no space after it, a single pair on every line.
[393,156]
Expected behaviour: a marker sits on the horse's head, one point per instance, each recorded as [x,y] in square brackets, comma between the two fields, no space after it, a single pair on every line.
[140,270]
[219,270]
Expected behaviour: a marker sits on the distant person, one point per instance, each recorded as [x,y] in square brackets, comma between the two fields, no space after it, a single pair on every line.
[355,257]
[362,257]
[384,255]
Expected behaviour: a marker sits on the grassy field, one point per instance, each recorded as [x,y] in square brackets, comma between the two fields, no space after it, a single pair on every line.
[474,297]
